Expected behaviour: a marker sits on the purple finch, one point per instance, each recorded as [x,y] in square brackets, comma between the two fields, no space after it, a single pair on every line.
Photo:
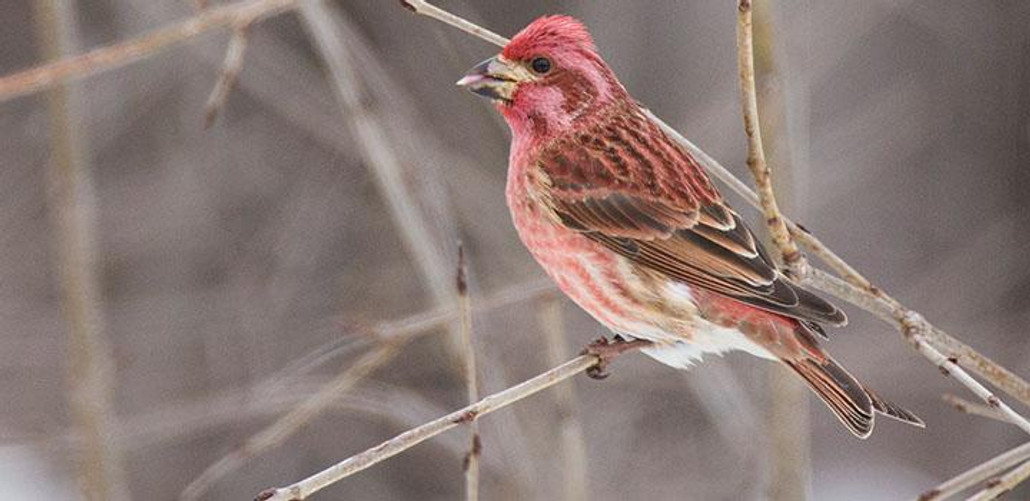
[632,229]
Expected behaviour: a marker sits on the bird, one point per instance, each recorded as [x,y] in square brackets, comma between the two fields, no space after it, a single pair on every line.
[630,227]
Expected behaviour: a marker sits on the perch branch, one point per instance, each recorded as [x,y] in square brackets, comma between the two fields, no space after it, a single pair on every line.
[304,488]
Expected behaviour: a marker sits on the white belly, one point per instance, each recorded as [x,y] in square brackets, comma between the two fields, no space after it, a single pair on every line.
[706,337]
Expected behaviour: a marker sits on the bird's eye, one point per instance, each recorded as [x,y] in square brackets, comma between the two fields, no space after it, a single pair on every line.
[541,65]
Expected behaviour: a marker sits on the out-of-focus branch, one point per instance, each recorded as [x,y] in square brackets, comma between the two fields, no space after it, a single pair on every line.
[471,463]
[392,336]
[380,155]
[130,51]
[287,425]
[978,474]
[230,70]
[573,450]
[71,205]
[304,488]
[794,261]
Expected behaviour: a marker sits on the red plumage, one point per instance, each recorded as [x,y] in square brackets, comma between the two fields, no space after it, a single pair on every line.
[632,229]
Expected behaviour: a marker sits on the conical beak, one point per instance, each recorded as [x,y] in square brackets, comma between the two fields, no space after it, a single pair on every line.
[493,78]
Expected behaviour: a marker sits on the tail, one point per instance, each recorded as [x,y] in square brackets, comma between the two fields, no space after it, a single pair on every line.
[853,404]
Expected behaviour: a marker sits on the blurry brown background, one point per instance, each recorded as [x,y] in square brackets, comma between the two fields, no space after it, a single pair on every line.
[226,254]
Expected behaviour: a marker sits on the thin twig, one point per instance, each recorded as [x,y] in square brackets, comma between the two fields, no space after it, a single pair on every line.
[793,260]
[573,450]
[997,487]
[130,51]
[424,8]
[978,474]
[71,203]
[288,424]
[973,408]
[304,488]
[227,78]
[471,462]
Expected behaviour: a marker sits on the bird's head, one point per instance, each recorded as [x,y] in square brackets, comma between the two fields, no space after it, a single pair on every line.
[547,77]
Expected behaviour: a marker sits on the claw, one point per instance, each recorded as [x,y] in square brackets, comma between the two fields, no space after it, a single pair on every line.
[606,351]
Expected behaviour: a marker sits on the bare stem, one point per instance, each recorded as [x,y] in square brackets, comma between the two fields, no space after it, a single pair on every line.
[471,463]
[304,488]
[72,204]
[793,259]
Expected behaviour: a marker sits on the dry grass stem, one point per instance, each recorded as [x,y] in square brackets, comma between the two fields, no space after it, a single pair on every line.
[288,424]
[573,449]
[794,261]
[71,204]
[977,474]
[304,488]
[230,70]
[471,462]
[130,51]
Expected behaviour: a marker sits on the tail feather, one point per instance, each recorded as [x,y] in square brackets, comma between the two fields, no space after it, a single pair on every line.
[854,405]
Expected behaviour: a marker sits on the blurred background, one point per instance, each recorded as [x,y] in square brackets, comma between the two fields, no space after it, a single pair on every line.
[237,269]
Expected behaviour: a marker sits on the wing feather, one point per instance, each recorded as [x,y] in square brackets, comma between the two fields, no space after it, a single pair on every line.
[661,212]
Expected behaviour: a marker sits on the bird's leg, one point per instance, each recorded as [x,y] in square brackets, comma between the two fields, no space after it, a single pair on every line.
[606,351]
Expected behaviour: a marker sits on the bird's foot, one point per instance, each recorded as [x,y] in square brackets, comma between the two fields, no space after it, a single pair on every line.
[606,351]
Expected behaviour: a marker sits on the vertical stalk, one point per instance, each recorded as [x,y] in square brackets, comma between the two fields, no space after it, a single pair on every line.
[71,202]
[789,434]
